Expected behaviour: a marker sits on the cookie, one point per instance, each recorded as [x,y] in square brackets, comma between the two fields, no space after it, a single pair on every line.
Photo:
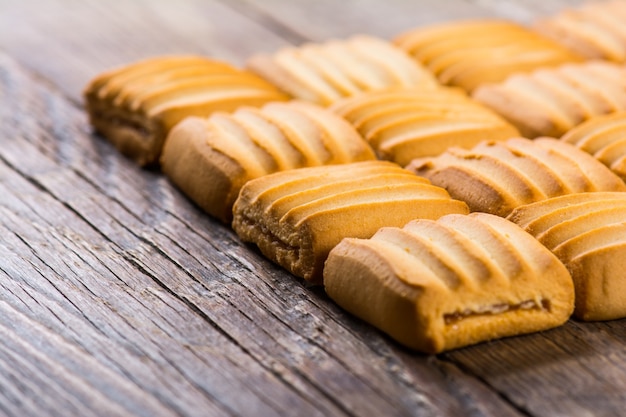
[296,217]
[497,177]
[210,159]
[587,232]
[136,106]
[604,137]
[549,102]
[325,72]
[594,30]
[459,280]
[468,53]
[404,124]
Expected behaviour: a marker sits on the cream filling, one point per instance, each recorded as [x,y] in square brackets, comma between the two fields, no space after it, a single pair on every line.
[297,259]
[115,120]
[494,309]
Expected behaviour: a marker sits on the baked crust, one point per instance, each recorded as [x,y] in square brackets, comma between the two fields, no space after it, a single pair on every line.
[604,137]
[325,72]
[137,105]
[497,177]
[549,102]
[404,124]
[588,234]
[210,159]
[460,280]
[594,30]
[469,53]
[296,217]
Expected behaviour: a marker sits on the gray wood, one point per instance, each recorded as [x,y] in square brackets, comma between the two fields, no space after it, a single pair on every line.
[70,42]
[117,264]
[119,297]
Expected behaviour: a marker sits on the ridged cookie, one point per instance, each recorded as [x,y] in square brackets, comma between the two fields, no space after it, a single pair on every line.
[210,159]
[468,53]
[403,124]
[460,280]
[594,30]
[549,102]
[604,137]
[296,217]
[325,72]
[497,177]
[136,106]
[587,232]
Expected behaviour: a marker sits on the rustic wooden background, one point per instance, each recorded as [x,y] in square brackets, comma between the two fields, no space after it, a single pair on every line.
[118,297]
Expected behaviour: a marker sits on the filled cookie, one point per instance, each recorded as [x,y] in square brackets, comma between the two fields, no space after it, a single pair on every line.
[497,177]
[468,53]
[325,72]
[595,29]
[135,106]
[210,159]
[587,232]
[296,217]
[403,124]
[459,280]
[549,102]
[604,137]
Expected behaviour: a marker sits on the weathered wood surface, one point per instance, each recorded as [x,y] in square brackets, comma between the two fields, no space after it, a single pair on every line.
[119,297]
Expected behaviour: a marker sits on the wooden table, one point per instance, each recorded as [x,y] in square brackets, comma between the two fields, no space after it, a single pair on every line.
[119,297]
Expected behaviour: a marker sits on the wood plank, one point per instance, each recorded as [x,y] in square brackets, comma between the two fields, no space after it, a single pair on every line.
[70,42]
[117,296]
[577,370]
[44,38]
[325,19]
[149,289]
[101,303]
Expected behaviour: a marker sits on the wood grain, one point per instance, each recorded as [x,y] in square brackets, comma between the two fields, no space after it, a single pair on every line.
[116,264]
[119,297]
[72,41]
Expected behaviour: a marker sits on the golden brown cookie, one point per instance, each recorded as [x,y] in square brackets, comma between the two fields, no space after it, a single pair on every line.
[325,72]
[136,106]
[444,284]
[604,137]
[403,124]
[549,102]
[497,177]
[587,232]
[469,53]
[210,159]
[594,29]
[296,217]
